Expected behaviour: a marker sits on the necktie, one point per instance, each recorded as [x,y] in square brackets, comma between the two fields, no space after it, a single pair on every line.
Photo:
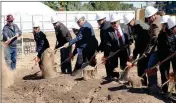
[120,39]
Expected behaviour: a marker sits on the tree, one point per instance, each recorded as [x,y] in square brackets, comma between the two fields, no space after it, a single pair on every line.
[90,6]
[74,6]
[54,4]
[87,7]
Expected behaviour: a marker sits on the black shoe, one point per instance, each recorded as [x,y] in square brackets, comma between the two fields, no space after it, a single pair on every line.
[154,89]
[109,78]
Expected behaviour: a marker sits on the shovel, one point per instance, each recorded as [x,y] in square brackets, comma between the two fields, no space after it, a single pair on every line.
[124,74]
[159,63]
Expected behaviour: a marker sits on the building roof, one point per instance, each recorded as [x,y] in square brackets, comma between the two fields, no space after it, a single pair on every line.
[25,7]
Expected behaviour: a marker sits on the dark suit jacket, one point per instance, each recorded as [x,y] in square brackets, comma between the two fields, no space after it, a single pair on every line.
[140,34]
[41,43]
[62,34]
[111,43]
[103,28]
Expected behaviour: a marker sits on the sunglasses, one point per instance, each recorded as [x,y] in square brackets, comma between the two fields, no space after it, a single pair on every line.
[173,28]
[99,20]
[113,23]
[54,24]
[35,27]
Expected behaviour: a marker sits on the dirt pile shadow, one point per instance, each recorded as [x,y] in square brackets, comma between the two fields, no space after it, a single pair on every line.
[34,76]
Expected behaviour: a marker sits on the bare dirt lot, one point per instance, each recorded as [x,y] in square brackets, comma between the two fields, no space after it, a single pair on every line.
[67,89]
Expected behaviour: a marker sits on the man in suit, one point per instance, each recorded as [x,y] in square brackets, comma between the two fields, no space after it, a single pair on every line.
[86,43]
[63,36]
[103,25]
[154,30]
[139,31]
[115,40]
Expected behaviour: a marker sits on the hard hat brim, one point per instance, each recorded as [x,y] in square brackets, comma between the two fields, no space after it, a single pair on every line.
[172,26]
[54,22]
[35,26]
[126,23]
[101,18]
[114,21]
[163,22]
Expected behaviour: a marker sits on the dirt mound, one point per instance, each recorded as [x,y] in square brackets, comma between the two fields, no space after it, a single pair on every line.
[7,73]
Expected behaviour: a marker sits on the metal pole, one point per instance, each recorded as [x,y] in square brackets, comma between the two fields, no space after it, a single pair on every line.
[22,37]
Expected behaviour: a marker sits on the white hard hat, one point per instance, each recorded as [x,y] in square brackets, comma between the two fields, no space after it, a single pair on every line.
[150,10]
[164,19]
[171,22]
[75,26]
[36,24]
[127,18]
[114,18]
[54,19]
[78,17]
[100,16]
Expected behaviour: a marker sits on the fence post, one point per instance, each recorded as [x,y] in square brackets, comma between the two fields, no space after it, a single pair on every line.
[43,23]
[22,44]
[4,20]
[66,19]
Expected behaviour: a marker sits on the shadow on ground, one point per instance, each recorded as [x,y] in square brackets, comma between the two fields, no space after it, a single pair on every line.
[34,76]
[165,99]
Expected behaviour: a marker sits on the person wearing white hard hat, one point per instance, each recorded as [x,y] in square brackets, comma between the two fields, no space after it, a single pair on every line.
[103,25]
[151,50]
[41,42]
[166,46]
[138,30]
[63,37]
[86,42]
[172,24]
[116,40]
[75,29]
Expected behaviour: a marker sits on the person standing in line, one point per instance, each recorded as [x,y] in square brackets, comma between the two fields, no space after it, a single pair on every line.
[104,24]
[139,31]
[86,42]
[151,50]
[63,36]
[10,34]
[115,40]
[41,43]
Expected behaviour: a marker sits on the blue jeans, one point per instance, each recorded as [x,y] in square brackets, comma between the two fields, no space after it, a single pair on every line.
[153,60]
[10,57]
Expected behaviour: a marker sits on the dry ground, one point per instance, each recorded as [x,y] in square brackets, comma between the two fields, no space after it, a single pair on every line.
[65,89]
